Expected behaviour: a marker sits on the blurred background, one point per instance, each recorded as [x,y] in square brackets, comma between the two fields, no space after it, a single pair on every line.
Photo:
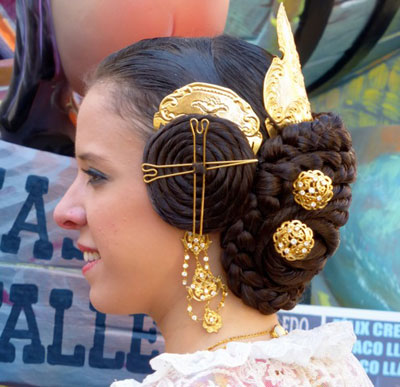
[350,53]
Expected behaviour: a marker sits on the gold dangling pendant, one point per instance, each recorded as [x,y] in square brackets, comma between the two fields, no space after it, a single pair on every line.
[204,286]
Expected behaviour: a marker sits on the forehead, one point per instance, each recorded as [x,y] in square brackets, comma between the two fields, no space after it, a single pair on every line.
[99,128]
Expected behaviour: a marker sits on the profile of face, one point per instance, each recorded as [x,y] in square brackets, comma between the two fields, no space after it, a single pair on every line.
[108,203]
[141,254]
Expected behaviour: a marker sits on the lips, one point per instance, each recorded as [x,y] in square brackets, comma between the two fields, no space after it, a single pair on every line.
[86,249]
[88,266]
[91,256]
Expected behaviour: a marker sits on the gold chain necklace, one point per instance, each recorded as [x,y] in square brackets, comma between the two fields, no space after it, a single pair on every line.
[275,332]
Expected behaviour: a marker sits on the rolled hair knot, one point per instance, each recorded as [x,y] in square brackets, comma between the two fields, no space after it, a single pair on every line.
[226,188]
[256,272]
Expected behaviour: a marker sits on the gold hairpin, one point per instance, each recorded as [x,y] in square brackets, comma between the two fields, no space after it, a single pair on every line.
[293,240]
[151,170]
[204,286]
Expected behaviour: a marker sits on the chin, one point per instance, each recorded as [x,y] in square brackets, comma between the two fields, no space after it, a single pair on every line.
[96,303]
[102,304]
[109,305]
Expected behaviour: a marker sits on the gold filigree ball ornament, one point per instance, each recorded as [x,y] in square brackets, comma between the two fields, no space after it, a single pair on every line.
[293,240]
[313,190]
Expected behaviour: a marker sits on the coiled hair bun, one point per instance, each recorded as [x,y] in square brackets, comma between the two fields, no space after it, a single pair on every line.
[226,189]
[256,272]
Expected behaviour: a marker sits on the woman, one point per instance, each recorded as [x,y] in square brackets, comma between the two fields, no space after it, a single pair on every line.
[189,190]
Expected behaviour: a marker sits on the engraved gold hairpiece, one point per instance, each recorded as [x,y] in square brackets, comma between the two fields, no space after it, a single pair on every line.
[285,96]
[204,286]
[208,99]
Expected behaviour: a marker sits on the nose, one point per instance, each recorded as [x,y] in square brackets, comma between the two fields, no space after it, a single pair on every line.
[69,212]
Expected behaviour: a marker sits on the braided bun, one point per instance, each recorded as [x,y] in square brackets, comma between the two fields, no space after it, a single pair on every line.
[256,272]
[226,188]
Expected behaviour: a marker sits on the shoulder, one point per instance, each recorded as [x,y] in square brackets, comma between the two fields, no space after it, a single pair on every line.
[266,372]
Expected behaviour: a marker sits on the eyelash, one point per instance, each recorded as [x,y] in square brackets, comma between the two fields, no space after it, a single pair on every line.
[96,177]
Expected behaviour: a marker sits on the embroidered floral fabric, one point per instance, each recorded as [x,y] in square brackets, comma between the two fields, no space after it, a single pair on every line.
[319,357]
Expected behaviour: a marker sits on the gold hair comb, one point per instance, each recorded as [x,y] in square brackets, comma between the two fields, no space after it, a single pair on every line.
[208,99]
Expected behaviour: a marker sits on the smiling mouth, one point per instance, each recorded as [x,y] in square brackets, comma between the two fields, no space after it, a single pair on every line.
[91,256]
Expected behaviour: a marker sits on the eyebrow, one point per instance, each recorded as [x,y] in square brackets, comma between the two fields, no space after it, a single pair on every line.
[88,156]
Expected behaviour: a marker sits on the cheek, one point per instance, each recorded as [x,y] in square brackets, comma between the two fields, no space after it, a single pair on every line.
[133,240]
[124,224]
[125,217]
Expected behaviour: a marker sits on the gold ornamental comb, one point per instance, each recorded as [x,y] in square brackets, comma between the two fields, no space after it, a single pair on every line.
[205,98]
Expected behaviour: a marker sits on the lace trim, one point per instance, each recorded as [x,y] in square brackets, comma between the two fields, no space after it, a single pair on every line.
[331,341]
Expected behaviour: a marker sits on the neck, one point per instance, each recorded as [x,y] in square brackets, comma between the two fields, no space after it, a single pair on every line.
[238,320]
[183,335]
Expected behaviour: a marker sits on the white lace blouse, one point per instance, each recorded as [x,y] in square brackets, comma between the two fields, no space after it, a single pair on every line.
[319,357]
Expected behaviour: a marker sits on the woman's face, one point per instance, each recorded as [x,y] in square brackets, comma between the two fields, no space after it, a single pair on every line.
[108,203]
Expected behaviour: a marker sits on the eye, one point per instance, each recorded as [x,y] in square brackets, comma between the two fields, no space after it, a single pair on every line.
[96,176]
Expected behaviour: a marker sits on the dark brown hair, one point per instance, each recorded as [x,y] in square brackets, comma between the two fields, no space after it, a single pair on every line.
[245,203]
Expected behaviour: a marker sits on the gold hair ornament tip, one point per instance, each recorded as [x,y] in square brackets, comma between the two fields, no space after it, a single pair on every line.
[285,96]
[312,190]
[293,240]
